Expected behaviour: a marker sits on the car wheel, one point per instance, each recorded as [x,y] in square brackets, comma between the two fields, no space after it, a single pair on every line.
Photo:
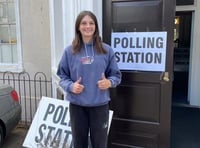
[1,135]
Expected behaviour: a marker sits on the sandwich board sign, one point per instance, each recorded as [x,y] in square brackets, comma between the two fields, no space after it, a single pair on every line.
[51,125]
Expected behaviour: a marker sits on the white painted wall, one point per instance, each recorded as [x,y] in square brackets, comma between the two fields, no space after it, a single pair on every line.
[35,36]
[194,77]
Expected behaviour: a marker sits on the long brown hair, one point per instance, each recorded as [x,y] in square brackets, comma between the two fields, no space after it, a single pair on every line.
[78,41]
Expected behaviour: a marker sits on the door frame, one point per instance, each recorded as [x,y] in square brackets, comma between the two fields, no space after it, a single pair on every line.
[194,69]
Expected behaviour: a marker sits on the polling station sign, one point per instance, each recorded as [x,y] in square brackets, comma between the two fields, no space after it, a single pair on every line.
[51,127]
[145,51]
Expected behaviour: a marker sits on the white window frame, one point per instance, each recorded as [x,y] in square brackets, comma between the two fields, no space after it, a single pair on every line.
[15,67]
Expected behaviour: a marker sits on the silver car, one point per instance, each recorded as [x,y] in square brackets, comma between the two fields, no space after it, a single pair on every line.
[10,110]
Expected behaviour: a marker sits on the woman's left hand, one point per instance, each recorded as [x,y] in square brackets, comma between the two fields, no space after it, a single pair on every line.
[104,83]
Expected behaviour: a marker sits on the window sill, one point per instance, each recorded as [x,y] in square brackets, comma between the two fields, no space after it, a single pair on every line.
[11,68]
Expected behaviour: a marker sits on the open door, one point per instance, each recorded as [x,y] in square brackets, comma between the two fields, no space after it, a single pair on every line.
[182,50]
[142,102]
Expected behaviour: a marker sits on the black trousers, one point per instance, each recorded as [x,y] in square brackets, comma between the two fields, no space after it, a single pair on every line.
[92,121]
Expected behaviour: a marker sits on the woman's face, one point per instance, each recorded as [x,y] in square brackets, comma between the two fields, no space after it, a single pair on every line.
[87,28]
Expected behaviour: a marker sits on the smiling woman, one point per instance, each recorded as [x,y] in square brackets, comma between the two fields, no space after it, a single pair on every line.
[87,70]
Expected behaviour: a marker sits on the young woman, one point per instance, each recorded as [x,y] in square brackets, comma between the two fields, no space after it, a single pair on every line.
[87,70]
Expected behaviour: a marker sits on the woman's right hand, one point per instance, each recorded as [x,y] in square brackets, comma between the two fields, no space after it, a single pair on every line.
[78,87]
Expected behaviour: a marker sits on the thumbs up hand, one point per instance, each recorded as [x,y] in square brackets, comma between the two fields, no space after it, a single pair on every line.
[104,83]
[78,87]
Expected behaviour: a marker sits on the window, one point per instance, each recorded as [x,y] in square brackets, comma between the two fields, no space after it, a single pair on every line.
[10,47]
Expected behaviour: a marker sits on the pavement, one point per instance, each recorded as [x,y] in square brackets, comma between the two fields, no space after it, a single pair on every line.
[16,138]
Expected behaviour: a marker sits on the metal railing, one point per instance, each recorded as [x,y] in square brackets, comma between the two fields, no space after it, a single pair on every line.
[30,91]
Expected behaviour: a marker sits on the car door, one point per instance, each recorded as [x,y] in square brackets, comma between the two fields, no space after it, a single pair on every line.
[142,102]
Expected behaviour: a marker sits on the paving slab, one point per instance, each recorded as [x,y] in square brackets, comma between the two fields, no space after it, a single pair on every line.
[16,138]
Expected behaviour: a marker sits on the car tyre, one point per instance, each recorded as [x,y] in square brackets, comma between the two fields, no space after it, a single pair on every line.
[1,136]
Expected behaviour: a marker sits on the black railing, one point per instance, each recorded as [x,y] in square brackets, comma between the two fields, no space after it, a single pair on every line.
[30,91]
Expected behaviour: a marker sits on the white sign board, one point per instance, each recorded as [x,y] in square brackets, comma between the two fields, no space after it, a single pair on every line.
[51,125]
[145,51]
